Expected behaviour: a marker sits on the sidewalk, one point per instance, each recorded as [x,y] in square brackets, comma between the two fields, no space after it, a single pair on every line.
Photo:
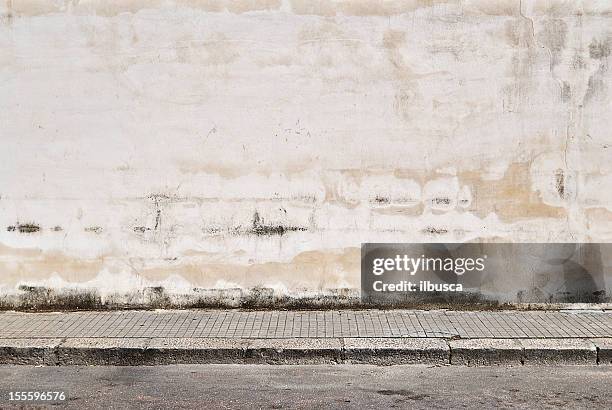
[367,336]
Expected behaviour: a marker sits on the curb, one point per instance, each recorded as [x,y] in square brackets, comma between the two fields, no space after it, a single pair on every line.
[604,350]
[389,351]
[377,351]
[484,352]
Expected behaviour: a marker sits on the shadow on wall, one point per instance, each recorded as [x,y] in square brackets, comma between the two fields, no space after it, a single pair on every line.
[510,273]
[583,275]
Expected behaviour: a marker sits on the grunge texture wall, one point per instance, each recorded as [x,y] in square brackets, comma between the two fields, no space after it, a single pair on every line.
[183,150]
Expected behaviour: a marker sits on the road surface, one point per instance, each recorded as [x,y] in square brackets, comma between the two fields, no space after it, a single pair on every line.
[339,386]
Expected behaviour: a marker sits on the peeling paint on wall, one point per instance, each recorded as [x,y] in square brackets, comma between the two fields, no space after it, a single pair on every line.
[249,147]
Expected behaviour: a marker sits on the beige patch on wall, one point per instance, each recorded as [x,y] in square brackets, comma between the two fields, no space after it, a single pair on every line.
[314,270]
[110,8]
[511,197]
[23,265]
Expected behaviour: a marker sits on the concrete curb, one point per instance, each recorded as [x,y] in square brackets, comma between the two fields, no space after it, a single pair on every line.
[483,352]
[604,350]
[28,351]
[561,351]
[388,351]
[379,351]
[524,351]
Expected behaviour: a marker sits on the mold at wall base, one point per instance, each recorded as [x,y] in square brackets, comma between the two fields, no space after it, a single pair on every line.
[57,228]
[537,295]
[23,228]
[260,228]
[467,300]
[35,298]
[598,296]
[42,298]
[156,298]
[258,297]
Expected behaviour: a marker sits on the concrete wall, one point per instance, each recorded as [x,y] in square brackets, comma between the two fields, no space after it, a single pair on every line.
[164,148]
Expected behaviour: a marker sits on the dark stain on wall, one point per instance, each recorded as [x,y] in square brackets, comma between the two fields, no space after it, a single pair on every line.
[380,200]
[23,228]
[157,220]
[305,198]
[260,228]
[578,61]
[553,36]
[441,201]
[560,183]
[8,17]
[143,229]
[599,49]
[566,92]
[94,229]
[434,231]
[596,86]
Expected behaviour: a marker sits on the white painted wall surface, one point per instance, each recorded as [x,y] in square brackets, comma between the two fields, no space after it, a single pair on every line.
[143,136]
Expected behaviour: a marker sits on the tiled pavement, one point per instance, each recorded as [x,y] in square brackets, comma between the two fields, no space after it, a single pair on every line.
[237,324]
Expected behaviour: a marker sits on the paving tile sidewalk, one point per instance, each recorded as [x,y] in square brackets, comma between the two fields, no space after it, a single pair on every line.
[306,337]
[235,324]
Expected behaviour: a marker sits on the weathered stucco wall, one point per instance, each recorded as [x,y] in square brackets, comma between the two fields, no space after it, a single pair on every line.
[156,148]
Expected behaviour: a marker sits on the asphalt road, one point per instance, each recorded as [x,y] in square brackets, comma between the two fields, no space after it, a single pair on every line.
[340,386]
